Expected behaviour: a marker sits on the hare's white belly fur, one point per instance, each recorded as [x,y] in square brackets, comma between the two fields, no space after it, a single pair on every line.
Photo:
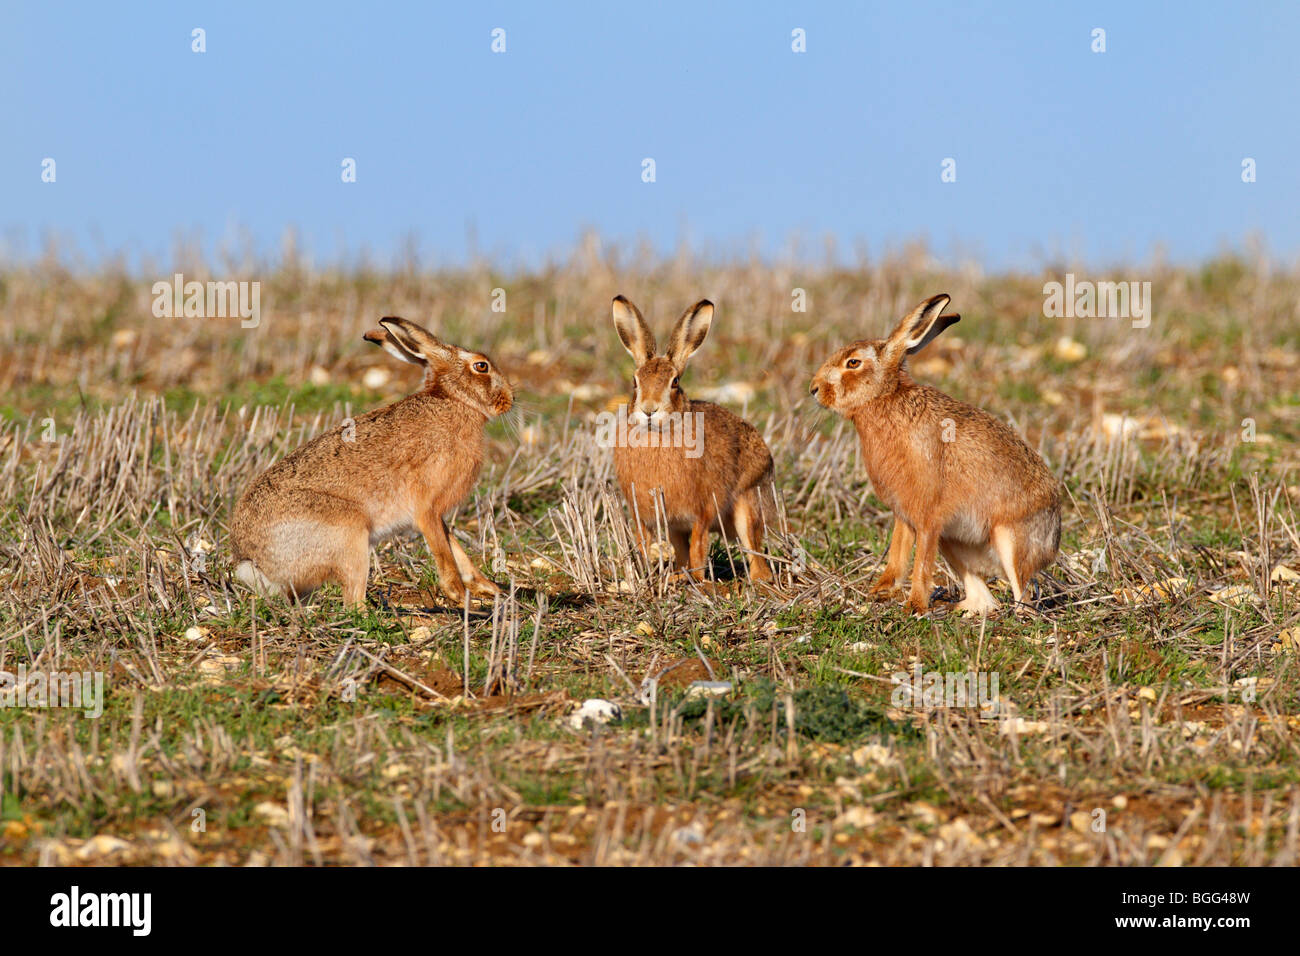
[397,524]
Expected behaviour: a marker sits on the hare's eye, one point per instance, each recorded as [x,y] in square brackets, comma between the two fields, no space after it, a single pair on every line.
[480,367]
[853,363]
[675,381]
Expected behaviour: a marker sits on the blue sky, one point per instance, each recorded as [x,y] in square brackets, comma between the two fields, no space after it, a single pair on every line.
[1062,154]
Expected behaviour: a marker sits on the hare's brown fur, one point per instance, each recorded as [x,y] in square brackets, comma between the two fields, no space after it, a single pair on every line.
[728,488]
[312,517]
[958,480]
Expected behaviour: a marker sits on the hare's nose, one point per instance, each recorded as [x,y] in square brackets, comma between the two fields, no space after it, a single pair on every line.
[812,389]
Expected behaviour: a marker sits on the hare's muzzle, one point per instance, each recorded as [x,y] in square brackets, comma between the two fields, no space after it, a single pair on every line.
[822,390]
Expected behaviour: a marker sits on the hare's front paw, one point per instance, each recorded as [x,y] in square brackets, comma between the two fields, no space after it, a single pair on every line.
[882,589]
[691,576]
[918,607]
[453,590]
[484,587]
[1024,611]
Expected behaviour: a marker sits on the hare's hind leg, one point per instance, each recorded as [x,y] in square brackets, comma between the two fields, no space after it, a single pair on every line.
[900,553]
[748,520]
[979,600]
[1011,550]
[353,568]
[334,551]
[326,539]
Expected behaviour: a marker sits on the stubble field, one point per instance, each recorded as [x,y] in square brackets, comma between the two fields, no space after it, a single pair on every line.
[1147,708]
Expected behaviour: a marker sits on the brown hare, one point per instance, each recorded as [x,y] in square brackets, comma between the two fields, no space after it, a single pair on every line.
[958,480]
[718,480]
[313,517]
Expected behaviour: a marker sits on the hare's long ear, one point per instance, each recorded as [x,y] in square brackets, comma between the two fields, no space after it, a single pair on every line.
[420,343]
[689,333]
[919,327]
[389,344]
[632,331]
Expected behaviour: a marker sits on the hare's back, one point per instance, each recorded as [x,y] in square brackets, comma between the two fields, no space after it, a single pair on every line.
[986,454]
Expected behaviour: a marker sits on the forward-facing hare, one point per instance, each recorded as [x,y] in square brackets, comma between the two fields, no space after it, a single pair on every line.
[957,479]
[313,517]
[688,465]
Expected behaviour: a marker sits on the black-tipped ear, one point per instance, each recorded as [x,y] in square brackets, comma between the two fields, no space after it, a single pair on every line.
[689,333]
[921,325]
[939,324]
[632,330]
[385,341]
[404,333]
[419,342]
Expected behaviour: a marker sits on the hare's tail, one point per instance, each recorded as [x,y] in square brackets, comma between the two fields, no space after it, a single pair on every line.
[1045,536]
[1026,550]
[253,577]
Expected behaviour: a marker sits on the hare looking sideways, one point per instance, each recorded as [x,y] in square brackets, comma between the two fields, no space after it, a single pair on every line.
[721,480]
[958,480]
[313,517]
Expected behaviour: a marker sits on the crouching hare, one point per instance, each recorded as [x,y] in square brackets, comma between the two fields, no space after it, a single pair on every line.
[720,481]
[958,480]
[313,517]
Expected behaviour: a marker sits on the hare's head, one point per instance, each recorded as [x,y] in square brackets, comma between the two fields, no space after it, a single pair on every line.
[873,368]
[467,377]
[656,386]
